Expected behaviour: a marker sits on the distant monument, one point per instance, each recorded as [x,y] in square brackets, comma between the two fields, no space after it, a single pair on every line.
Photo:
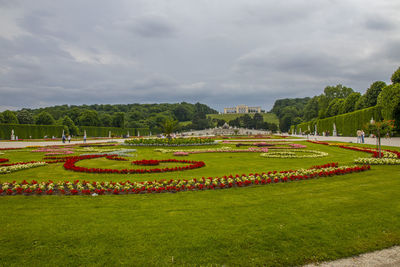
[242,109]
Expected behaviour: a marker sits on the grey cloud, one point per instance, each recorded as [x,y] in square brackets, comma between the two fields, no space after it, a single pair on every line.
[153,26]
[221,53]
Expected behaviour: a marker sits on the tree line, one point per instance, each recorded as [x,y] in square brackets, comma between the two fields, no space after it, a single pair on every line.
[339,99]
[129,115]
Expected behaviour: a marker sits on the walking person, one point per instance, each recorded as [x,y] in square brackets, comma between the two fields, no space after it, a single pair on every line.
[69,139]
[63,139]
[358,136]
[362,136]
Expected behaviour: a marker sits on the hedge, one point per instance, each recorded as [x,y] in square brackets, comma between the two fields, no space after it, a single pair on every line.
[93,131]
[346,124]
[27,131]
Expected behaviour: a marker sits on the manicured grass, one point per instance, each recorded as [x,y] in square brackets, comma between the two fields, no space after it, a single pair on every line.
[268,117]
[274,225]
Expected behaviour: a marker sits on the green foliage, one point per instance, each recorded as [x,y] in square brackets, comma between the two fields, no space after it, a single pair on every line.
[92,131]
[296,103]
[170,141]
[389,101]
[396,76]
[169,126]
[118,119]
[72,128]
[44,118]
[338,91]
[25,117]
[1,118]
[346,124]
[27,131]
[361,103]
[311,109]
[9,117]
[105,120]
[89,118]
[334,107]
[372,93]
[349,103]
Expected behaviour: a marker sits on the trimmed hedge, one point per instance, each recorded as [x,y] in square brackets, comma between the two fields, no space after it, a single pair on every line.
[27,131]
[93,131]
[346,124]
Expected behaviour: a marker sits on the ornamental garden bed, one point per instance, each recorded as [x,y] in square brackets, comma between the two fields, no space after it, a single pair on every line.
[160,218]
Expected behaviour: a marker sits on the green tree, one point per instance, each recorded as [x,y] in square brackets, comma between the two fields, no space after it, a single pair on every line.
[334,107]
[105,120]
[89,118]
[44,118]
[380,129]
[169,126]
[396,76]
[182,113]
[1,118]
[338,91]
[349,103]
[372,93]
[9,117]
[247,121]
[389,100]
[118,119]
[311,109]
[72,128]
[361,103]
[25,117]
[258,121]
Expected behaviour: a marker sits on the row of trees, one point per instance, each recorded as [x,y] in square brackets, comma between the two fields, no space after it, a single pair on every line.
[334,101]
[255,122]
[131,115]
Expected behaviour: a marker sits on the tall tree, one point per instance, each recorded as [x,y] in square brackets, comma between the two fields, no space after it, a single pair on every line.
[72,128]
[338,91]
[25,117]
[9,117]
[350,103]
[89,118]
[396,76]
[105,120]
[118,119]
[44,118]
[372,93]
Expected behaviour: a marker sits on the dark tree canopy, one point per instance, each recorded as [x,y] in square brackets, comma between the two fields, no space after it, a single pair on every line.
[396,76]
[44,118]
[9,117]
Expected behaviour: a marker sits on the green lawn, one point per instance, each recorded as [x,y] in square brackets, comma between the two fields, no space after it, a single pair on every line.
[273,225]
[268,117]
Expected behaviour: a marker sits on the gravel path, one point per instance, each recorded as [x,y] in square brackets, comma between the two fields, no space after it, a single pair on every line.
[383,258]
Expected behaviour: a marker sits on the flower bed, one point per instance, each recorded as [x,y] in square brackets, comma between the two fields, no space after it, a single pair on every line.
[377,161]
[145,162]
[295,154]
[385,153]
[210,150]
[181,153]
[162,186]
[70,165]
[193,141]
[3,160]
[13,168]
[121,153]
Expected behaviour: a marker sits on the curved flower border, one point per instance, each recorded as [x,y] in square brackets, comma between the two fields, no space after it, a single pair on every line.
[70,165]
[292,154]
[101,188]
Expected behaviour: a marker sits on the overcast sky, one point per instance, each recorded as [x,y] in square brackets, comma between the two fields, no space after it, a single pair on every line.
[218,52]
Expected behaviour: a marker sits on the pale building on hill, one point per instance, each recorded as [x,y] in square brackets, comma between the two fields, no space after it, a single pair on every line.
[242,109]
